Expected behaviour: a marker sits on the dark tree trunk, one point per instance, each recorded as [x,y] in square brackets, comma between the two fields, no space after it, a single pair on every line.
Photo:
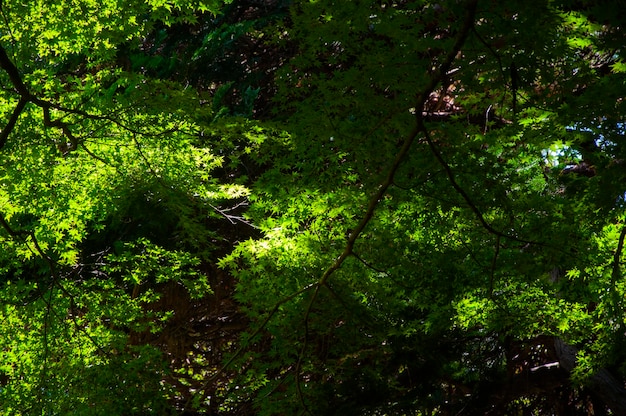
[604,386]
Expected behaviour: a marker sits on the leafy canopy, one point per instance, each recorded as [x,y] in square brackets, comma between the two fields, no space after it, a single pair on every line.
[428,218]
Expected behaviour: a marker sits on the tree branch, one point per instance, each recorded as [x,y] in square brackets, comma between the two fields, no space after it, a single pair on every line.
[13,73]
[451,176]
[601,382]
[8,128]
[26,96]
[421,99]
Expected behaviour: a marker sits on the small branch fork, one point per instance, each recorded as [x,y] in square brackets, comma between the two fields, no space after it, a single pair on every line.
[26,97]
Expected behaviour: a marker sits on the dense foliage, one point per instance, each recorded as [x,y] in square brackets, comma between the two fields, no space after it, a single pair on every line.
[266,207]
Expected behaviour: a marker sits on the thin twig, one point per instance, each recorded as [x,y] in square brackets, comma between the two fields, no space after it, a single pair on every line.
[233,219]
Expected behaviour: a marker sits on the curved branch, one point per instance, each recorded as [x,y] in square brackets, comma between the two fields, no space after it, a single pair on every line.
[421,98]
[406,146]
[451,176]
[8,128]
[26,96]
[13,73]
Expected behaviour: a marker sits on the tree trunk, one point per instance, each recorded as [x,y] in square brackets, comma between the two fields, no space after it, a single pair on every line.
[606,387]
